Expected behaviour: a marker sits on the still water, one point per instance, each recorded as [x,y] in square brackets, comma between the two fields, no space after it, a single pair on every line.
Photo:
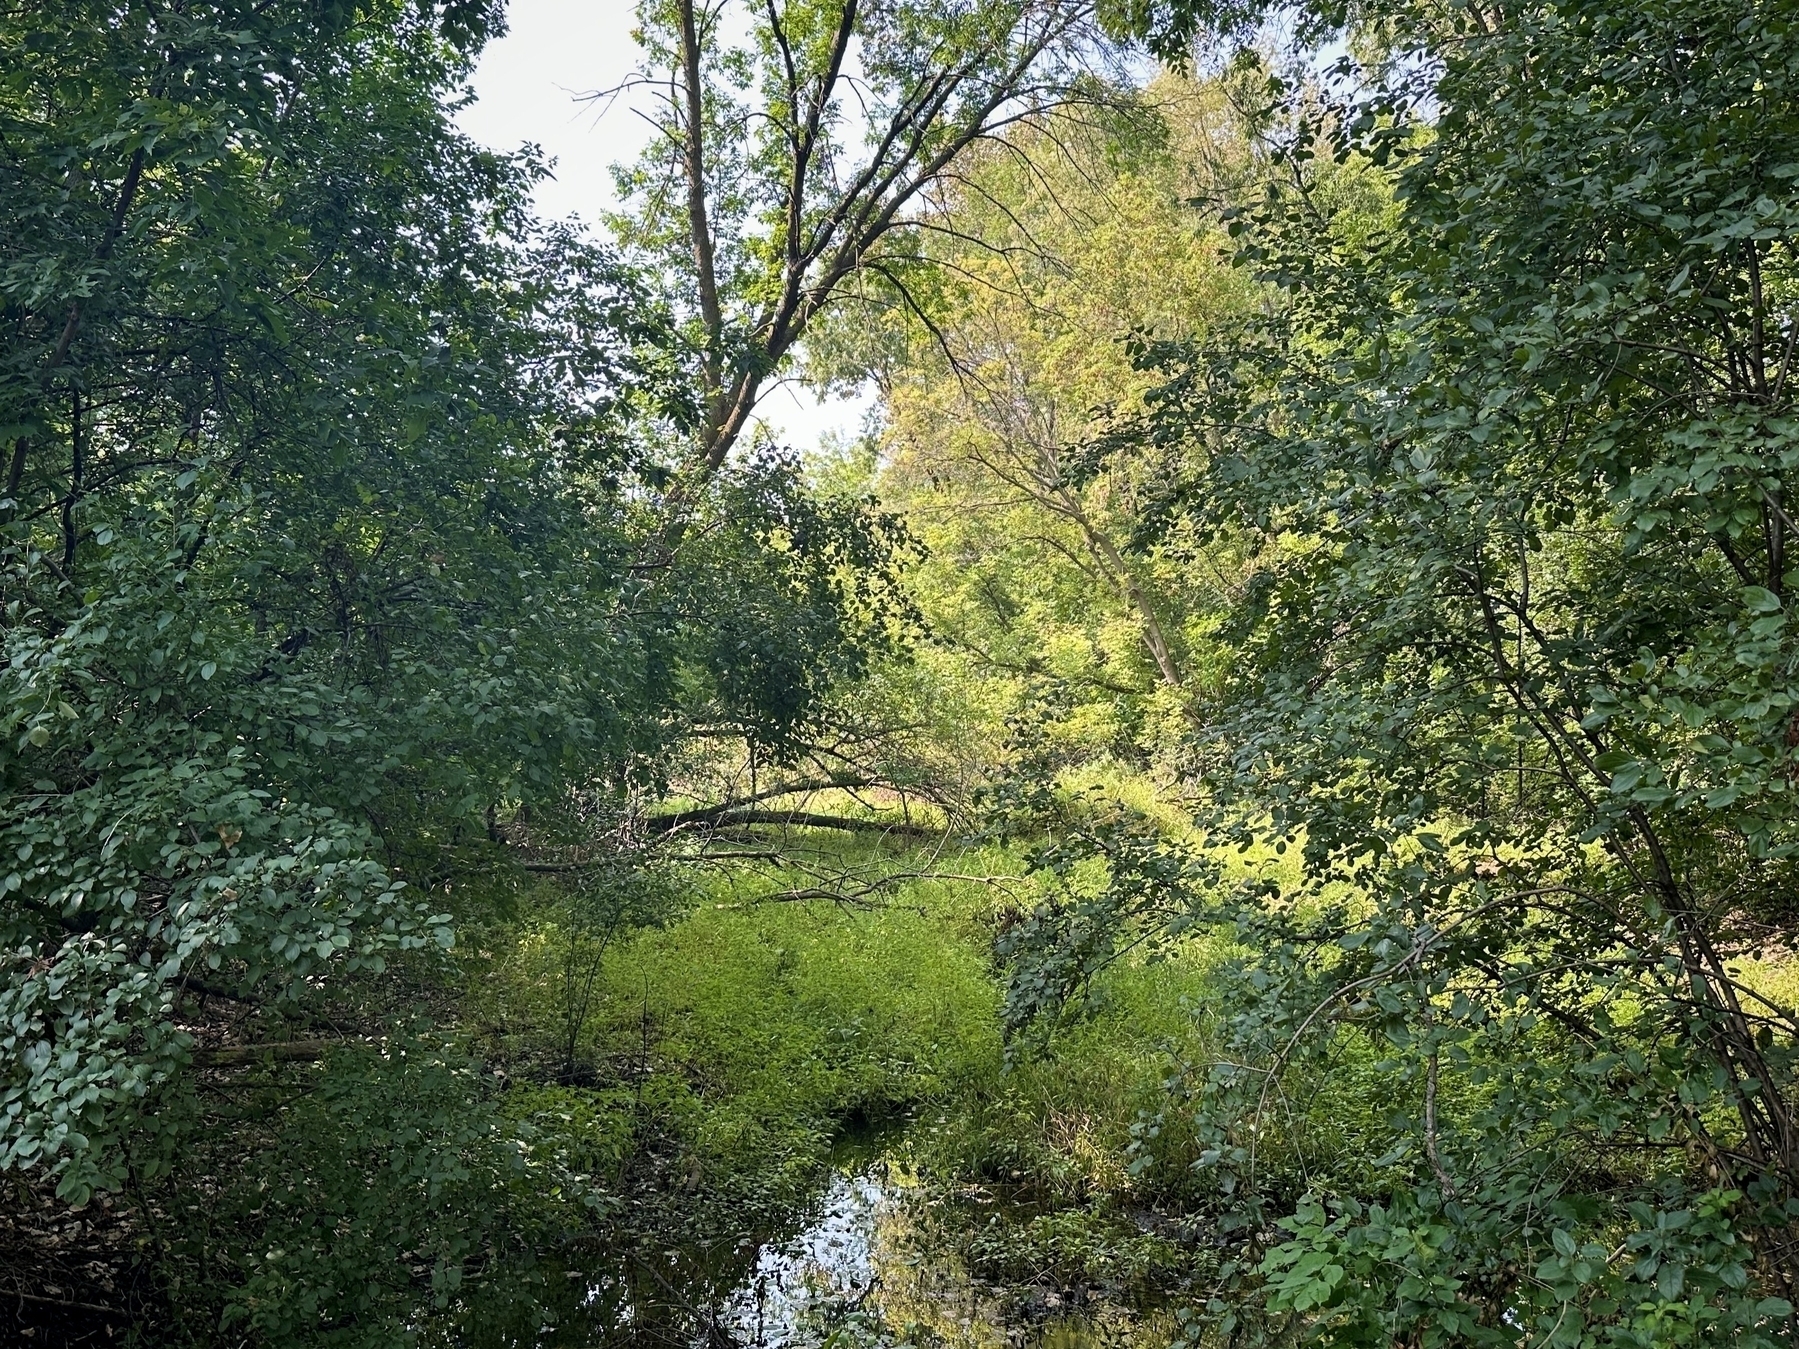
[861,1271]
[830,1270]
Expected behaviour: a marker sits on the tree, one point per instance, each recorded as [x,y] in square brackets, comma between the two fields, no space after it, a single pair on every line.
[1050,257]
[1516,663]
[793,158]
[325,480]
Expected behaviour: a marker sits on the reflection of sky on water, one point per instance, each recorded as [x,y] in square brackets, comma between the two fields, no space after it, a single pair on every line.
[829,1266]
[872,1268]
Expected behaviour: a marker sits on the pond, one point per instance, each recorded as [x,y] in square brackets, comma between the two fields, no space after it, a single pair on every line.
[870,1263]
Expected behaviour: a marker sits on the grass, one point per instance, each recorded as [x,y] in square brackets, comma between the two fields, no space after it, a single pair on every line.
[739,1040]
[733,1046]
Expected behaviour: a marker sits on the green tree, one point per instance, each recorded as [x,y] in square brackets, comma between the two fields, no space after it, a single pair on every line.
[1515,663]
[1003,395]
[796,143]
[326,471]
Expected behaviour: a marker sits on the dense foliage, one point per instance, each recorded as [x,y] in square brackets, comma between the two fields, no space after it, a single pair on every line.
[1040,584]
[1514,675]
[1278,820]
[329,480]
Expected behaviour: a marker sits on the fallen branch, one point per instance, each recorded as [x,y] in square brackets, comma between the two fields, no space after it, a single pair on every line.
[805,819]
[67,1302]
[676,819]
[285,1051]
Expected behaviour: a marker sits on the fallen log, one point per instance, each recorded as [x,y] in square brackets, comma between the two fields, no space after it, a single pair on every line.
[282,1051]
[802,819]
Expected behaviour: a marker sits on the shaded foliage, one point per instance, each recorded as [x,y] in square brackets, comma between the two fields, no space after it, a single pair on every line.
[329,476]
[1513,677]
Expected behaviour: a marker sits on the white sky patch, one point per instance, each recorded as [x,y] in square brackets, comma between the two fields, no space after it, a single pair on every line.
[529,87]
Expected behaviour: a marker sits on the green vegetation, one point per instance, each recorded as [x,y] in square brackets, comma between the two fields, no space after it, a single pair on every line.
[1253,806]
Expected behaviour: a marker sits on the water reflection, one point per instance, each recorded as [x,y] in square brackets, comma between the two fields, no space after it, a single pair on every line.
[827,1270]
[871,1269]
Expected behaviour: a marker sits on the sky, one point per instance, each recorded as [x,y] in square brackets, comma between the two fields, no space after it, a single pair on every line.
[528,87]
